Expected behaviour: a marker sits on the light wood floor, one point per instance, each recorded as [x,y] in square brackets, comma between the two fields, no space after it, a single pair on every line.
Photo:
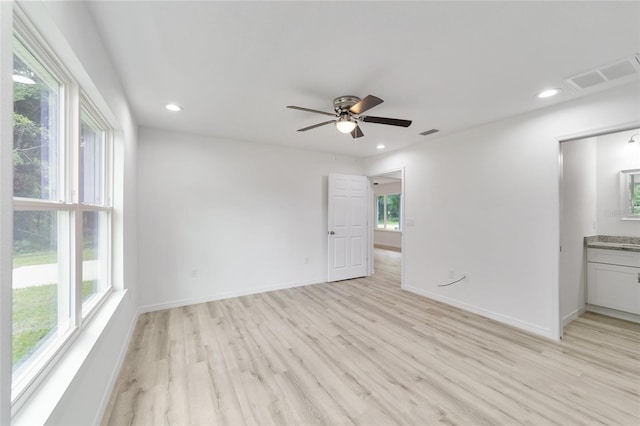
[365,352]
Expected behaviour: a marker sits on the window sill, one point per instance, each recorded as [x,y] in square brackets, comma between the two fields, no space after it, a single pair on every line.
[40,404]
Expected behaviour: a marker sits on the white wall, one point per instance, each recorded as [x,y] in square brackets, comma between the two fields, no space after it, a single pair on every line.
[578,220]
[387,238]
[486,202]
[69,30]
[244,216]
[615,154]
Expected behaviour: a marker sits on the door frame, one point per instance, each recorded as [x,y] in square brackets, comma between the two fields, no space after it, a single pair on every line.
[371,212]
[622,127]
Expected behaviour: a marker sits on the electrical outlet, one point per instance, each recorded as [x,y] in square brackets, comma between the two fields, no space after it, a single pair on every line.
[194,273]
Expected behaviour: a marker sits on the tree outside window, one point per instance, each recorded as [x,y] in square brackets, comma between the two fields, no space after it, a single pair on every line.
[388,212]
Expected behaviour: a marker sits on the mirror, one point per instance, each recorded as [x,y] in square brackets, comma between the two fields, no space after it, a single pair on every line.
[630,194]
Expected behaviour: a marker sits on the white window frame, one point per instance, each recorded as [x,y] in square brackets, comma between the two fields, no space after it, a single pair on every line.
[384,197]
[73,103]
[626,194]
[87,107]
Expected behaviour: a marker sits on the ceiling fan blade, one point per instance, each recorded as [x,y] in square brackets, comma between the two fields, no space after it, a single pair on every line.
[365,104]
[356,132]
[316,125]
[385,120]
[333,114]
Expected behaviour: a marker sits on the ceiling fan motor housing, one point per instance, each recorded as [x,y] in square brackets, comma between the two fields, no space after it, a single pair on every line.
[342,104]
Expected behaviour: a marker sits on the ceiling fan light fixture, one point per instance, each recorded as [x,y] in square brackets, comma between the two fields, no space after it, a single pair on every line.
[345,125]
[348,112]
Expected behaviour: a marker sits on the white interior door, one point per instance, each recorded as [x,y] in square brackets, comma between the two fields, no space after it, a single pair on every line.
[348,228]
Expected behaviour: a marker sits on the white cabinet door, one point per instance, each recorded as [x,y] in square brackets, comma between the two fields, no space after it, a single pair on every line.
[348,232]
[613,286]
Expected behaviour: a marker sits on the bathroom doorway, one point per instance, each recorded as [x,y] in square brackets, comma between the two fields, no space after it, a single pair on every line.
[590,206]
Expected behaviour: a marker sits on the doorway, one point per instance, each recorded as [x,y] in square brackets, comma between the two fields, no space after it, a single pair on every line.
[387,212]
[590,206]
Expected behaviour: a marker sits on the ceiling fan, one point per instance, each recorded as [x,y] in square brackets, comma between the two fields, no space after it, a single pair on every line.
[348,111]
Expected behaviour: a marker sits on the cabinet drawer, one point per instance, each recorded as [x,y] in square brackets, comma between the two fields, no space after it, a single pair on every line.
[613,286]
[614,257]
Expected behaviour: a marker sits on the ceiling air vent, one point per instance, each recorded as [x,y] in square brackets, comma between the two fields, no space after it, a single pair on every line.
[587,80]
[429,132]
[619,70]
[624,68]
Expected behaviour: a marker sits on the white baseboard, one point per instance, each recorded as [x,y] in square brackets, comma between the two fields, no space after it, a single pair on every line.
[225,295]
[627,316]
[573,315]
[523,325]
[116,371]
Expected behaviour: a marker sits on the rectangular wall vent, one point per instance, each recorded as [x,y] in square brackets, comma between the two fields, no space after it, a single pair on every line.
[429,132]
[618,70]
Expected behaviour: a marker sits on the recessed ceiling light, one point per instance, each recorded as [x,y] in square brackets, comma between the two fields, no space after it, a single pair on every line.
[173,107]
[548,93]
[22,79]
[380,146]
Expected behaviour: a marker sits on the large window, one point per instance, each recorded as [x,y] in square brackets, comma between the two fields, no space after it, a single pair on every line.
[62,212]
[388,212]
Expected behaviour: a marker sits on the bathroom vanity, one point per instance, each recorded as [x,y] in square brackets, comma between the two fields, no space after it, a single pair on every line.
[613,276]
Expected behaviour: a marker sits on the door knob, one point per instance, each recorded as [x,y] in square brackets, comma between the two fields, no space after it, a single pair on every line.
[331,233]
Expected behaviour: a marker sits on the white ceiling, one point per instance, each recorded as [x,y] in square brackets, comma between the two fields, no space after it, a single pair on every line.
[234,66]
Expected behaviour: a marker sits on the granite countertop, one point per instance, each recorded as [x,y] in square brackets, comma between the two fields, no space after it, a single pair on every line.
[613,242]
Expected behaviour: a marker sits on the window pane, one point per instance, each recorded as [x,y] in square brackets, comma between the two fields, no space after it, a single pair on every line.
[380,211]
[94,254]
[635,194]
[36,145]
[393,211]
[93,163]
[41,296]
